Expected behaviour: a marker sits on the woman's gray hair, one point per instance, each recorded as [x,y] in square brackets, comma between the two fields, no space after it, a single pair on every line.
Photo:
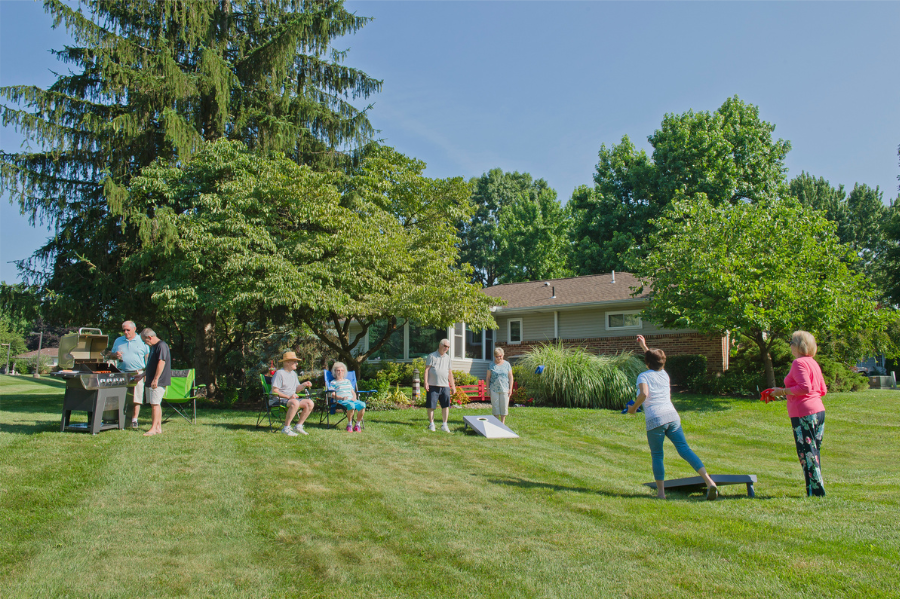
[498,351]
[335,365]
[805,343]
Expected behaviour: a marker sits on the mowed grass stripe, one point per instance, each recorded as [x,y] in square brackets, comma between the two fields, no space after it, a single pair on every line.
[166,514]
[399,512]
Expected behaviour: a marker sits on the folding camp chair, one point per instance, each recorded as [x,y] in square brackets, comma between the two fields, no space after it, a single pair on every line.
[330,407]
[181,391]
[273,408]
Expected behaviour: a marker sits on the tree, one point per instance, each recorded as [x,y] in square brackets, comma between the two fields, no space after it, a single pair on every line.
[269,243]
[155,79]
[533,239]
[510,209]
[760,270]
[891,254]
[728,155]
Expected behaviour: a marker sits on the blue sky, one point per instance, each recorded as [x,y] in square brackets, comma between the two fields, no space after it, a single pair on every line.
[539,86]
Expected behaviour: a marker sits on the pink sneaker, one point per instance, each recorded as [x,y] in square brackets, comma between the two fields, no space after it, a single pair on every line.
[349,428]
[356,429]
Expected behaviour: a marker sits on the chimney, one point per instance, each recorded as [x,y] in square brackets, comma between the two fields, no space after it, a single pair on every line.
[614,277]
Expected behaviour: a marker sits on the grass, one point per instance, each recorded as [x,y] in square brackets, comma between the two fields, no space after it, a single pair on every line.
[221,509]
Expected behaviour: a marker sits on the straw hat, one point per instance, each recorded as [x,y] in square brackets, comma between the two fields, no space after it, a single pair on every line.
[289,355]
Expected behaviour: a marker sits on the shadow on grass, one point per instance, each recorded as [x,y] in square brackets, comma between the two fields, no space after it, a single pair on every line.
[529,484]
[44,380]
[30,429]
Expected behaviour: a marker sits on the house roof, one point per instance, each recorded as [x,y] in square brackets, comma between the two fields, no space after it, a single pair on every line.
[51,352]
[589,289]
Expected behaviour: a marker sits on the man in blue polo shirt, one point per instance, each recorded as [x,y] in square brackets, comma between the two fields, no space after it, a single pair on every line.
[132,352]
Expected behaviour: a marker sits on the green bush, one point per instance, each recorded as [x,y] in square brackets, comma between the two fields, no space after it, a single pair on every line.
[574,378]
[839,377]
[684,369]
[746,375]
[393,372]
[464,378]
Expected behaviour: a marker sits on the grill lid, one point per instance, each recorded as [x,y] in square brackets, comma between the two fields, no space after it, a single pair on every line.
[87,345]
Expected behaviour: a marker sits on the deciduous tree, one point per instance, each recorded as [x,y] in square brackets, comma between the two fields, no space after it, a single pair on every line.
[761,270]
[263,240]
[728,155]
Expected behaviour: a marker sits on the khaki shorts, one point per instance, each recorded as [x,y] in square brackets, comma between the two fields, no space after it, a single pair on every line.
[499,403]
[137,392]
[154,397]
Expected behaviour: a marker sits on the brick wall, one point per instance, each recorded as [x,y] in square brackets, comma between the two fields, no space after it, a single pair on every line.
[713,347]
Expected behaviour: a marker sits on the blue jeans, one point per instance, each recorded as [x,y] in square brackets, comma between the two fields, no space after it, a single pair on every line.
[673,431]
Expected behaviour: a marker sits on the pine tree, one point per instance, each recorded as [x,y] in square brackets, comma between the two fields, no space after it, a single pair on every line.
[156,79]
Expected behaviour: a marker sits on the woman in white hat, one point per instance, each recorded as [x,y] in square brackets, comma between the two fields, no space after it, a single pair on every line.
[285,387]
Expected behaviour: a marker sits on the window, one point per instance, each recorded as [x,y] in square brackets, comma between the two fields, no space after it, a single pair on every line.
[473,344]
[514,330]
[392,348]
[424,340]
[630,319]
[459,336]
[489,344]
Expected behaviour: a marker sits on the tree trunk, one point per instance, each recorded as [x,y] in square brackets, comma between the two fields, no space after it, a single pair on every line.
[205,349]
[766,358]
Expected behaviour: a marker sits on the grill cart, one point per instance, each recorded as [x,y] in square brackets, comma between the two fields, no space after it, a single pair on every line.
[92,384]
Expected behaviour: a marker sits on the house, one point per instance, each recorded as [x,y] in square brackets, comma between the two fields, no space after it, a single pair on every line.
[596,312]
[47,353]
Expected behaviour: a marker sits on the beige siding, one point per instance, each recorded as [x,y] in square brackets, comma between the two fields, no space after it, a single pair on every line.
[475,367]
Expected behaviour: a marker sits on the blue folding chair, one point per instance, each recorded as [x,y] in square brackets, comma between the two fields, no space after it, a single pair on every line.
[330,407]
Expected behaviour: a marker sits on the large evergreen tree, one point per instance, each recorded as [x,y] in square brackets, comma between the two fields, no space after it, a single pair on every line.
[156,79]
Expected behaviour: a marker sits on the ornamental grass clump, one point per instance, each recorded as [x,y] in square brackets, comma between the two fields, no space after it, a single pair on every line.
[574,378]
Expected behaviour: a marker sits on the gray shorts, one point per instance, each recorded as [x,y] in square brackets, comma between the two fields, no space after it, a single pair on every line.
[435,395]
[153,396]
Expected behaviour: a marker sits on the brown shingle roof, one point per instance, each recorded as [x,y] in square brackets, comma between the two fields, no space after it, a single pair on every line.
[575,290]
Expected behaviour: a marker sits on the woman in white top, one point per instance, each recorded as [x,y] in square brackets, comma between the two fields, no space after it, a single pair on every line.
[663,421]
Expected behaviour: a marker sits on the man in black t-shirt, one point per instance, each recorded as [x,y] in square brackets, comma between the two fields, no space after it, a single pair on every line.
[158,376]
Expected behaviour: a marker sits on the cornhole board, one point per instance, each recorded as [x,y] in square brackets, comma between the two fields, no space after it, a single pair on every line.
[490,427]
[695,483]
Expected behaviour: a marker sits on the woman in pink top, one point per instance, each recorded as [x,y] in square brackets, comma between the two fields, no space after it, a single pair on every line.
[804,388]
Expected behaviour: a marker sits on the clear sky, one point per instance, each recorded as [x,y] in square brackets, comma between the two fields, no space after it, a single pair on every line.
[539,86]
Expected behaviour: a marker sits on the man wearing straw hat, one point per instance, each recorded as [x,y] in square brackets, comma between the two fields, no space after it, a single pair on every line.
[285,387]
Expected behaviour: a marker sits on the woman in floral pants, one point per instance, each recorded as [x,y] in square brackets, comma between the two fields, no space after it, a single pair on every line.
[804,388]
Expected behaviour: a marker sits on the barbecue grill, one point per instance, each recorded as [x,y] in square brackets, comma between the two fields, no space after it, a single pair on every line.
[92,384]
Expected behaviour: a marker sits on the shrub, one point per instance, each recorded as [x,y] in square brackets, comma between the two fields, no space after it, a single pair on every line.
[460,398]
[576,379]
[685,368]
[747,377]
[464,378]
[393,372]
[521,396]
[390,399]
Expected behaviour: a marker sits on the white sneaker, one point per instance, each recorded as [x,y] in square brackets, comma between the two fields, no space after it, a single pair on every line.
[431,426]
[445,428]
[288,431]
[299,429]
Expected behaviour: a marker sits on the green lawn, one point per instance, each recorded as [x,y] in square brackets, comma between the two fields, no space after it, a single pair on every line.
[221,509]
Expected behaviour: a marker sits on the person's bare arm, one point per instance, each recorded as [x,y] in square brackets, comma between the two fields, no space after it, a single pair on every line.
[642,395]
[427,368]
[452,383]
[643,343]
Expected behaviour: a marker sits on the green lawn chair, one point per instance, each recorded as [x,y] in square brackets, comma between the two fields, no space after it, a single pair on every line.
[272,407]
[180,392]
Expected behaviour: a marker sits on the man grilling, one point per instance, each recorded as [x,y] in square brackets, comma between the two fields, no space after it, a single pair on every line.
[158,376]
[131,352]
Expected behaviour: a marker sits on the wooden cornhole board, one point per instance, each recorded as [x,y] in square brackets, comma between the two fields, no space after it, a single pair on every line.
[695,483]
[490,427]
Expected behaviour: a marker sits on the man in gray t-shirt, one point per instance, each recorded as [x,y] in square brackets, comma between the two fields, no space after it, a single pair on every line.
[439,384]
